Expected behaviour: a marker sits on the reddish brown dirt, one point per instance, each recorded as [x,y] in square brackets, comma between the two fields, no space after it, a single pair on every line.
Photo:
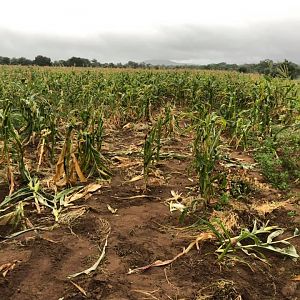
[138,237]
[3,191]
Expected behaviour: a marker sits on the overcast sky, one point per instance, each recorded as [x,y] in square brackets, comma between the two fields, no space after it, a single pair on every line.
[193,31]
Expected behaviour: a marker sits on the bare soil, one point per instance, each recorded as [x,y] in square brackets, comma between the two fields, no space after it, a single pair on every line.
[142,231]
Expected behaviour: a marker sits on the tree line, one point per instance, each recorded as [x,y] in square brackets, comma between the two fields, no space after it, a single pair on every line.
[268,67]
[41,60]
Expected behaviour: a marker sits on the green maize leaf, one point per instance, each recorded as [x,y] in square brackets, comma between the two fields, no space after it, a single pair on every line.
[290,250]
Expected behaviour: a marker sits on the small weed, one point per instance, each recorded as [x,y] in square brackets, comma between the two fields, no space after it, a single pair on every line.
[279,161]
[271,169]
[239,188]
[292,213]
[223,201]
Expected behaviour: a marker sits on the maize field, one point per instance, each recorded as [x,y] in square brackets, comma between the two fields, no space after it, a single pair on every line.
[148,184]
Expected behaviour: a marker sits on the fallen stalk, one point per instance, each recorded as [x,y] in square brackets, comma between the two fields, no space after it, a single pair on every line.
[95,265]
[159,263]
[16,234]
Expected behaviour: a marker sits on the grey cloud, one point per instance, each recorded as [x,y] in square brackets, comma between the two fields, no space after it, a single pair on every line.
[191,43]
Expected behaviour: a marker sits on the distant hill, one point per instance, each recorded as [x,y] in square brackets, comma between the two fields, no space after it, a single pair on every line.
[161,62]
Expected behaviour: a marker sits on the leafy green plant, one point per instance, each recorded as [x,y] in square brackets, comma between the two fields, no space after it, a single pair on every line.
[278,158]
[239,188]
[33,192]
[91,160]
[223,201]
[271,169]
[292,213]
[13,147]
[14,217]
[152,146]
[253,242]
[170,121]
[206,152]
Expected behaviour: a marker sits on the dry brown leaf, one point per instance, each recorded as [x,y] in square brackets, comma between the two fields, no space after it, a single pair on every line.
[28,223]
[128,164]
[228,219]
[87,196]
[112,210]
[60,165]
[135,197]
[82,291]
[70,216]
[74,197]
[61,183]
[120,159]
[296,278]
[6,219]
[73,175]
[10,175]
[37,206]
[77,168]
[50,240]
[239,206]
[128,126]
[91,188]
[135,178]
[175,197]
[41,153]
[268,207]
[5,268]
[148,294]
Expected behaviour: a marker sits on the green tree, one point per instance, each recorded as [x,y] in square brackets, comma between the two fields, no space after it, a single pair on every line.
[78,62]
[132,64]
[95,63]
[21,61]
[4,60]
[41,60]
